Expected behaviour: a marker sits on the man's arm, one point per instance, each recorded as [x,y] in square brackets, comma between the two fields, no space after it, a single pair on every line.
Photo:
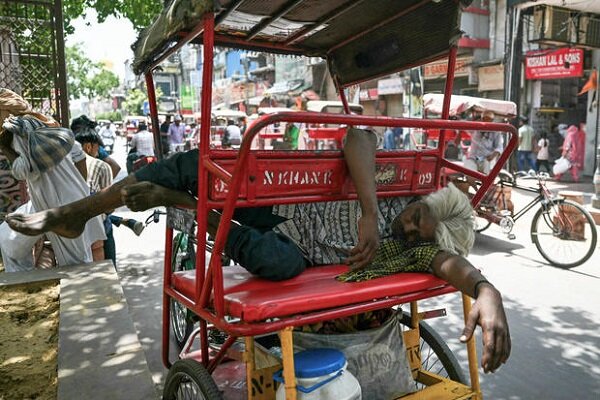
[359,152]
[488,311]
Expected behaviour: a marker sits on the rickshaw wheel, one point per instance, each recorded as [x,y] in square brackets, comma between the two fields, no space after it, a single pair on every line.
[183,258]
[436,356]
[189,380]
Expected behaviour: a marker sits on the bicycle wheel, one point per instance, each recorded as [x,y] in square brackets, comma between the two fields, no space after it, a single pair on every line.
[189,380]
[183,259]
[436,356]
[564,233]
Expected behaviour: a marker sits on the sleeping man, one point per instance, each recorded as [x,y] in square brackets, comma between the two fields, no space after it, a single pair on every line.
[279,242]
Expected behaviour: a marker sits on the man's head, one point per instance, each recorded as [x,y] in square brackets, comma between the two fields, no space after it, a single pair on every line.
[142,126]
[488,116]
[177,120]
[445,217]
[90,141]
[82,123]
[523,120]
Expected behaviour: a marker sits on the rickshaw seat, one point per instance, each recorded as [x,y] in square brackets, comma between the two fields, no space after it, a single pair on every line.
[255,299]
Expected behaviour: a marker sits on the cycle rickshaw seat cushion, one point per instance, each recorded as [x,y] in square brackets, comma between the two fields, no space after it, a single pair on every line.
[254,299]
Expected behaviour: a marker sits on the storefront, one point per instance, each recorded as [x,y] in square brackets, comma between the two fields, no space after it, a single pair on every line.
[554,78]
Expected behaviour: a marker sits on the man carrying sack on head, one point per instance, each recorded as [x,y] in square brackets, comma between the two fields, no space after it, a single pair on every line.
[42,154]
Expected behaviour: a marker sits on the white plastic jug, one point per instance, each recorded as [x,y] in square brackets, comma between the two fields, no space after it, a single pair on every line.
[321,375]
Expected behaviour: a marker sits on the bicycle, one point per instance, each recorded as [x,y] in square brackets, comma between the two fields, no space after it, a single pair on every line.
[562,230]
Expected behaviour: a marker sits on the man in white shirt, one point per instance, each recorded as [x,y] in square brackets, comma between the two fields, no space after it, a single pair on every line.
[48,185]
[143,141]
[233,134]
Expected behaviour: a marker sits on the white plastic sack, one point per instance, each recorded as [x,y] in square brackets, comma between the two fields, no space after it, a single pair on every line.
[561,166]
[376,357]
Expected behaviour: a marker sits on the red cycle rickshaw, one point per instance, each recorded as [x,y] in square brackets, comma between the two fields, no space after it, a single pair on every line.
[359,42]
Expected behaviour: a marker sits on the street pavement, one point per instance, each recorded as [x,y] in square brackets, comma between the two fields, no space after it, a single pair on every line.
[554,314]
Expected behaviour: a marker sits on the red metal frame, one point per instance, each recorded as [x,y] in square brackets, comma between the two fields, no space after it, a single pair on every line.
[209,289]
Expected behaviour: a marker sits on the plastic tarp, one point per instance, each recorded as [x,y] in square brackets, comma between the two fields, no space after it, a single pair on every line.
[433,103]
[177,16]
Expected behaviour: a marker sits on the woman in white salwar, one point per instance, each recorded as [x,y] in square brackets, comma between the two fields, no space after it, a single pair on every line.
[52,180]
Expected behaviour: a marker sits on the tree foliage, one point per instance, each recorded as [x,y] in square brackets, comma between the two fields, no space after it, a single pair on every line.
[87,78]
[140,12]
[135,100]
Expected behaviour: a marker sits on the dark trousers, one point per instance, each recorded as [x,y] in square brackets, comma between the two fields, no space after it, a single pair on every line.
[254,245]
[110,248]
[543,163]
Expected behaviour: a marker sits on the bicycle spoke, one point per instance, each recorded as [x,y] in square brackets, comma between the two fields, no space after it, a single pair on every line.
[564,233]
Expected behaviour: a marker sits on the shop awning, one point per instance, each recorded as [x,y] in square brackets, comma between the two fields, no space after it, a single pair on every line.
[433,102]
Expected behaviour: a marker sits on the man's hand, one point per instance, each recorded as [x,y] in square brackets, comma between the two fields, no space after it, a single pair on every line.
[368,242]
[488,312]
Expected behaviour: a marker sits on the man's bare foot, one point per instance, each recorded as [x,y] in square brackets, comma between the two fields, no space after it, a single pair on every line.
[47,221]
[143,195]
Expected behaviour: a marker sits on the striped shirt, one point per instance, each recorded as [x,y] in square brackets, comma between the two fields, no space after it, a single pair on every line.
[99,174]
[327,231]
[143,142]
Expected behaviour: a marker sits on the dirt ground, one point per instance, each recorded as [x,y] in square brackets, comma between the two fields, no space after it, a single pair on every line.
[29,341]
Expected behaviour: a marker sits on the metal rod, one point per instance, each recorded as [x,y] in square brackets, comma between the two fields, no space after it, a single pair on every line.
[216,169]
[227,12]
[154,114]
[323,20]
[446,104]
[63,93]
[180,43]
[166,308]
[471,351]
[289,6]
[204,138]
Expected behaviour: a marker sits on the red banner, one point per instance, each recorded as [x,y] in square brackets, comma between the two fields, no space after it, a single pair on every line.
[555,64]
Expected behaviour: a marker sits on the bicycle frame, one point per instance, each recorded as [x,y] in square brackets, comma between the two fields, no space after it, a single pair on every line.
[543,195]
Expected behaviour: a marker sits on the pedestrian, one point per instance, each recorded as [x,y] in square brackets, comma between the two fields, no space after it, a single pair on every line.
[555,142]
[389,139]
[83,123]
[164,134]
[543,153]
[232,135]
[485,148]
[176,134]
[143,141]
[99,177]
[42,154]
[526,145]
[573,149]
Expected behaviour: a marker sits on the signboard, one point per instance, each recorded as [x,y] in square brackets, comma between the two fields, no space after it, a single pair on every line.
[554,64]
[491,78]
[390,86]
[368,94]
[439,69]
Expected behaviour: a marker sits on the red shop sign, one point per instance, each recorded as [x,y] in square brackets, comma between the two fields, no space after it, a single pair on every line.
[556,64]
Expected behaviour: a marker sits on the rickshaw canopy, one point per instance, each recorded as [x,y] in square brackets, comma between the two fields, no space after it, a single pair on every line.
[360,39]
[335,107]
[433,102]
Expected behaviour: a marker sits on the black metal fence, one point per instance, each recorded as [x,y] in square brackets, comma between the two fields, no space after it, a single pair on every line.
[32,64]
